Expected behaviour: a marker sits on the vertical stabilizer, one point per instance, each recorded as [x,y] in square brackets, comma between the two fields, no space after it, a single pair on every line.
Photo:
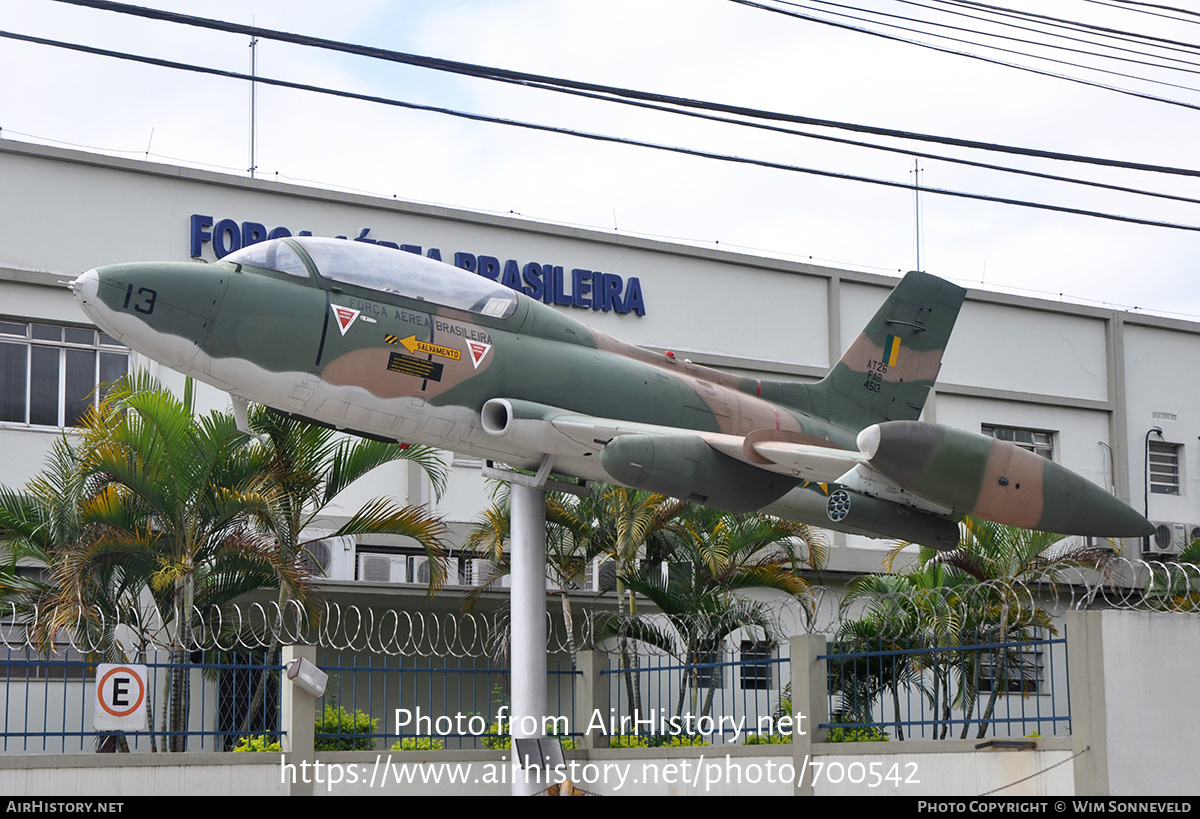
[887,372]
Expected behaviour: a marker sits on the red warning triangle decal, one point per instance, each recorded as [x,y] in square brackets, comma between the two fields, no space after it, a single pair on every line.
[345,317]
[478,351]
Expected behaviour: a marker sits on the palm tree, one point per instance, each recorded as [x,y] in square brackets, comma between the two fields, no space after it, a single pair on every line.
[1175,586]
[571,544]
[48,523]
[974,594]
[32,523]
[612,522]
[173,505]
[310,466]
[919,609]
[1005,557]
[714,558]
[631,522]
[306,468]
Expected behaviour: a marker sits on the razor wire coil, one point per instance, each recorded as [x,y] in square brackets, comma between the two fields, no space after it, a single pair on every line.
[1128,585]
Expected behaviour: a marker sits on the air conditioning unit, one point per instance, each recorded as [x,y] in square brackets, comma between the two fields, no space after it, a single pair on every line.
[1168,540]
[477,571]
[317,558]
[418,570]
[381,568]
[327,558]
[600,575]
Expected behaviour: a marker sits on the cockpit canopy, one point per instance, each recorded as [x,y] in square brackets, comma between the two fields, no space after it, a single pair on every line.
[383,269]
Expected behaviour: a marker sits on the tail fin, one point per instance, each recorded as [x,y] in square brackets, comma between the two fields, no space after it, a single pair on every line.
[887,372]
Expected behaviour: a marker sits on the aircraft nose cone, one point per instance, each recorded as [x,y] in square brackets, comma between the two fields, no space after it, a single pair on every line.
[85,286]
[1079,507]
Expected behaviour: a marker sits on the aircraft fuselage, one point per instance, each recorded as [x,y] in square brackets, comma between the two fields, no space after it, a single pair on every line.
[390,344]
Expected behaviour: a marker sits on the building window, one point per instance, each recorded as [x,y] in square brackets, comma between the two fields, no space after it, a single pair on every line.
[61,662]
[1164,468]
[1018,673]
[756,666]
[1036,441]
[710,671]
[49,373]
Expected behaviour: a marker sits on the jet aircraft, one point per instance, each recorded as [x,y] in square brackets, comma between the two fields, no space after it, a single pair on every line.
[389,344]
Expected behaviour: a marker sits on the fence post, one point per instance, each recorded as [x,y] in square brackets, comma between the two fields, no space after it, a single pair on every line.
[593,696]
[810,704]
[1089,719]
[296,719]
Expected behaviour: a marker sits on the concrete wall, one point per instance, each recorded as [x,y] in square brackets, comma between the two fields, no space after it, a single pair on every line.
[91,775]
[950,768]
[1133,702]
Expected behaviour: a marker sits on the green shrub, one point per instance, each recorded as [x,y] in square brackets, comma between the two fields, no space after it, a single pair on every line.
[496,741]
[357,729]
[772,738]
[838,734]
[656,741]
[419,744]
[255,743]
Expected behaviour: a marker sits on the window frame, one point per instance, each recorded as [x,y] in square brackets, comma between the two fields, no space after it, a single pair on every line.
[1023,674]
[1044,447]
[754,671]
[100,346]
[1169,472]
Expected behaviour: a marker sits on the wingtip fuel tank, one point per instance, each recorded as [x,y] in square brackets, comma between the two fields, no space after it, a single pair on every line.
[980,476]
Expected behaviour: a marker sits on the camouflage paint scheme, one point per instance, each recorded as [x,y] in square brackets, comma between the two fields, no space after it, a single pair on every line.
[392,345]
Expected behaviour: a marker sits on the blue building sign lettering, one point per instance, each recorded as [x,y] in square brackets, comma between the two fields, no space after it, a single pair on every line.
[549,283]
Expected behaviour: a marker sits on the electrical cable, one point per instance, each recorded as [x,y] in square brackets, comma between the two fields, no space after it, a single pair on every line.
[1086,26]
[997,22]
[888,149]
[1002,37]
[523,78]
[1136,39]
[588,135]
[967,54]
[1125,3]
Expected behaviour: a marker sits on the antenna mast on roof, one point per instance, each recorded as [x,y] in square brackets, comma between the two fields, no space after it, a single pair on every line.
[253,98]
[916,172]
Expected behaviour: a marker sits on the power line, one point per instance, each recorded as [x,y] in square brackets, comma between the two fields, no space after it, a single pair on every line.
[1006,37]
[956,52]
[998,22]
[1074,23]
[587,135]
[567,86]
[1126,3]
[1128,37]
[868,145]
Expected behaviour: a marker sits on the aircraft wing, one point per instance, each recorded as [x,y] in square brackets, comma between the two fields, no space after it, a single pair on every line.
[563,433]
[810,462]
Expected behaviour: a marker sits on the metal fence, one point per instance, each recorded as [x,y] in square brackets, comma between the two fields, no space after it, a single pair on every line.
[738,693]
[899,689]
[50,703]
[396,667]
[735,692]
[426,703]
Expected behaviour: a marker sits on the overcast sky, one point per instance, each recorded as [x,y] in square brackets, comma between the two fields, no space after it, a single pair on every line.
[706,49]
